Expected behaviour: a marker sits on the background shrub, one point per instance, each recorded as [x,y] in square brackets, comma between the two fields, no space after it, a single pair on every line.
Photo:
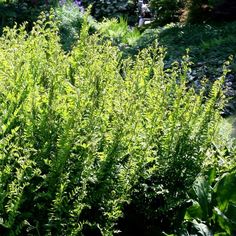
[206,10]
[193,11]
[22,10]
[113,8]
[86,133]
[167,11]
[70,18]
[119,32]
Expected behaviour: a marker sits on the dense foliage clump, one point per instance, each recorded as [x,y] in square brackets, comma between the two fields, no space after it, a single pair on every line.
[70,17]
[167,11]
[12,11]
[193,11]
[86,133]
[112,8]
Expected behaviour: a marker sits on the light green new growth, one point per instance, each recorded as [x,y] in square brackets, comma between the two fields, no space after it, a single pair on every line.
[80,131]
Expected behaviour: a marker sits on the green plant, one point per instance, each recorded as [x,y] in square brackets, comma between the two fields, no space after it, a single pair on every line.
[84,133]
[113,29]
[112,8]
[167,11]
[213,207]
[22,10]
[70,19]
[200,11]
[118,31]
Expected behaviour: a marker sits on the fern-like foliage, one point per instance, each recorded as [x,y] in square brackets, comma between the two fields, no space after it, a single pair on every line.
[85,133]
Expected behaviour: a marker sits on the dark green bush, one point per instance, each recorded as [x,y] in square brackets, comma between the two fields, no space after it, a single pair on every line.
[113,8]
[85,133]
[201,10]
[193,11]
[167,11]
[20,11]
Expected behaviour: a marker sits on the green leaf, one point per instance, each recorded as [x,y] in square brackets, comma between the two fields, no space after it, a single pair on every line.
[221,219]
[226,190]
[203,192]
[202,229]
[211,175]
[194,212]
[231,213]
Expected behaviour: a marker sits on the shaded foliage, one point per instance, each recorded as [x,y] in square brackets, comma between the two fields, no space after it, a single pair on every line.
[113,8]
[21,11]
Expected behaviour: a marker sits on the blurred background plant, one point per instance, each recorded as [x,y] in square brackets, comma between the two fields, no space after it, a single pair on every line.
[20,11]
[167,11]
[114,8]
[119,32]
[70,16]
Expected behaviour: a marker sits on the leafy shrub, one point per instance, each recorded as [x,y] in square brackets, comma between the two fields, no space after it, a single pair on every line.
[22,10]
[70,19]
[211,209]
[118,31]
[112,8]
[199,11]
[193,11]
[167,11]
[82,134]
